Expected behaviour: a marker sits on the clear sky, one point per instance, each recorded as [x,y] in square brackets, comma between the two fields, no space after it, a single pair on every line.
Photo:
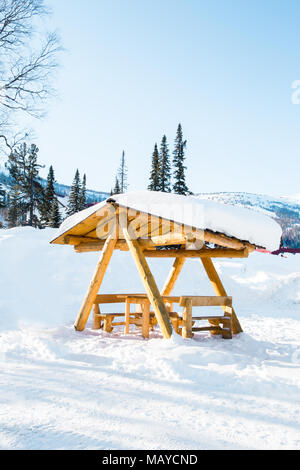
[134,69]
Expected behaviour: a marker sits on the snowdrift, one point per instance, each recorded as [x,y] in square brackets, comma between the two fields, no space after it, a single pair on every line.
[62,389]
[46,283]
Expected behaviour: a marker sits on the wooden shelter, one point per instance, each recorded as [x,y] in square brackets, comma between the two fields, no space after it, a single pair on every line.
[154,225]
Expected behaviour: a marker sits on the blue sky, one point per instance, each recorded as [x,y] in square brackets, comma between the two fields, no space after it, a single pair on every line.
[133,69]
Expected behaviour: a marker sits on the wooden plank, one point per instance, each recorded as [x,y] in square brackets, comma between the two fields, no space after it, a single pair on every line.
[148,281]
[203,253]
[77,239]
[127,317]
[220,290]
[173,276]
[115,314]
[95,284]
[206,301]
[97,245]
[227,324]
[109,299]
[96,317]
[132,298]
[146,319]
[208,317]
[187,320]
[214,329]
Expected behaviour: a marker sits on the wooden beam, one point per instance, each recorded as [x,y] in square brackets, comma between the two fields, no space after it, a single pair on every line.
[146,319]
[95,284]
[127,317]
[97,245]
[203,253]
[170,238]
[173,276]
[131,298]
[85,246]
[187,319]
[228,242]
[96,317]
[216,329]
[206,301]
[220,290]
[76,240]
[148,280]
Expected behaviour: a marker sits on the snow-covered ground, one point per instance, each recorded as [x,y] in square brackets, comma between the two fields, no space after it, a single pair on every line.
[61,389]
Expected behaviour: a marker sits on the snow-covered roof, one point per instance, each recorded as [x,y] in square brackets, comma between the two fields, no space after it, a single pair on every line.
[237,222]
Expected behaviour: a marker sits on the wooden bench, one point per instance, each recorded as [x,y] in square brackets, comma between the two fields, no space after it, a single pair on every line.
[188,302]
[145,319]
[142,317]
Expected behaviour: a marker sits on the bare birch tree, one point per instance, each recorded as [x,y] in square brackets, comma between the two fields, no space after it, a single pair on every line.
[27,60]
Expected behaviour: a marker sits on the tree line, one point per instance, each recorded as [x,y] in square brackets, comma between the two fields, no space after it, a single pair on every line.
[28,201]
[164,175]
[31,202]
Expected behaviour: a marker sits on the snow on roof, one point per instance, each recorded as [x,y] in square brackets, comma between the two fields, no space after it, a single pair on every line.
[241,223]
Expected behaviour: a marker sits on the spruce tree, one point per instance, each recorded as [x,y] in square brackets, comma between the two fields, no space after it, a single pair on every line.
[179,186]
[48,197]
[74,196]
[165,167]
[2,197]
[24,169]
[82,196]
[54,220]
[14,205]
[155,183]
[117,189]
[122,174]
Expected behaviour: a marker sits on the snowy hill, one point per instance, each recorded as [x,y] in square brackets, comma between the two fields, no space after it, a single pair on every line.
[62,389]
[285,210]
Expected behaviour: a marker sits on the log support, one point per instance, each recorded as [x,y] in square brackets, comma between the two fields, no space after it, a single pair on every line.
[220,290]
[96,317]
[95,284]
[146,319]
[173,276]
[147,278]
[127,316]
[187,324]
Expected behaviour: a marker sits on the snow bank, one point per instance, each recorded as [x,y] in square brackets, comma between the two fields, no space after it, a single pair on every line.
[62,389]
[45,284]
[203,214]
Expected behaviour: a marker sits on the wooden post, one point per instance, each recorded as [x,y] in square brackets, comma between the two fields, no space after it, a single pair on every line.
[96,317]
[220,290]
[227,323]
[151,288]
[187,319]
[146,319]
[173,276]
[107,327]
[127,316]
[95,284]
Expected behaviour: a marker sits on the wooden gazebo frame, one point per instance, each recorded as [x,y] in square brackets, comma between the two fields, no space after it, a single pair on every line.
[116,227]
